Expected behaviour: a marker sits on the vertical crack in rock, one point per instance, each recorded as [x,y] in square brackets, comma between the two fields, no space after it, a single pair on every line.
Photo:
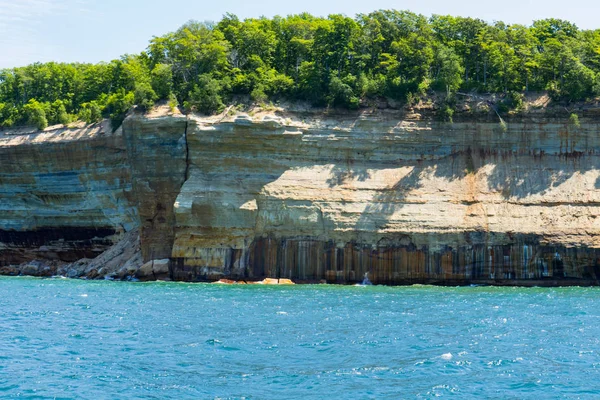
[186,177]
[187,152]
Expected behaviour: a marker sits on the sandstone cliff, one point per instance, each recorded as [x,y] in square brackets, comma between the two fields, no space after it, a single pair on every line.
[65,194]
[311,197]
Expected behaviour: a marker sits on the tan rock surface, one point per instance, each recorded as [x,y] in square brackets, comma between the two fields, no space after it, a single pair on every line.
[404,200]
[314,196]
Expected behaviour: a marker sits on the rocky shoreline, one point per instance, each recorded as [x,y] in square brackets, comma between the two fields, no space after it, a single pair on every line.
[122,261]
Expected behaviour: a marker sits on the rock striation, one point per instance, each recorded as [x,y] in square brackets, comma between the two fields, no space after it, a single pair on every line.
[157,153]
[401,198]
[65,194]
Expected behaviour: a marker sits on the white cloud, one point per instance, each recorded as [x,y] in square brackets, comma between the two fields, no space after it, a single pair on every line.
[21,26]
[11,10]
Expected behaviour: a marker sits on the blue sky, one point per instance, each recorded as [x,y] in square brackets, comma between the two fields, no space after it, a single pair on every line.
[101,30]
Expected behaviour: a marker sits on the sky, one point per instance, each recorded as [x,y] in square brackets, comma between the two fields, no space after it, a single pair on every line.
[102,30]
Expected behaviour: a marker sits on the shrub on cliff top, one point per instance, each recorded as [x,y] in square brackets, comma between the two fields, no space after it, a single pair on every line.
[206,96]
[144,96]
[90,112]
[57,113]
[117,105]
[35,114]
[162,81]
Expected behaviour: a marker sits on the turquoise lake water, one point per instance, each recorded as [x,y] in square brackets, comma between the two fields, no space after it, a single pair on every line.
[94,340]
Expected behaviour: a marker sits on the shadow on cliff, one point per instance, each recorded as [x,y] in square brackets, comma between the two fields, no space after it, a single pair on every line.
[518,176]
[379,210]
[342,173]
[512,176]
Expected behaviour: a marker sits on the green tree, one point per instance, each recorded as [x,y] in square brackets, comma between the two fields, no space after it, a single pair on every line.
[35,114]
[193,50]
[206,96]
[144,96]
[117,105]
[58,113]
[447,70]
[341,93]
[162,81]
[90,112]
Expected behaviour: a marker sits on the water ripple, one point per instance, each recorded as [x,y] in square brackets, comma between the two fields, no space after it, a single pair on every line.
[88,340]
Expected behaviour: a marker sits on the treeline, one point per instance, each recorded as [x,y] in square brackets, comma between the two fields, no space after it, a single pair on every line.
[337,61]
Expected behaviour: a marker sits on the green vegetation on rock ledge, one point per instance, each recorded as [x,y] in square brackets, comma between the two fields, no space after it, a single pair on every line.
[336,61]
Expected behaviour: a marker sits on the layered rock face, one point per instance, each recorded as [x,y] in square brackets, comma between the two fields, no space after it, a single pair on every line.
[309,197]
[402,201]
[65,194]
[157,153]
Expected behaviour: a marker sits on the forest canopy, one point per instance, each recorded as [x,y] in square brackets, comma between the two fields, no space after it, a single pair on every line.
[336,61]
